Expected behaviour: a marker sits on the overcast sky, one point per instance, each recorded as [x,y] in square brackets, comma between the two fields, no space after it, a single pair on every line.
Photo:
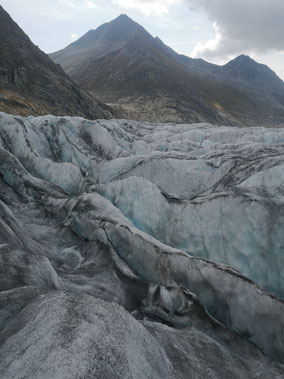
[216,30]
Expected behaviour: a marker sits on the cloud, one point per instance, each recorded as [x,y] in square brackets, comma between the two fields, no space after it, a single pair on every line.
[76,4]
[74,36]
[209,46]
[252,26]
[148,7]
[91,5]
[52,9]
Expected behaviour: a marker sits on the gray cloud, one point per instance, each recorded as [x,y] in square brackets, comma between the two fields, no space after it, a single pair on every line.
[253,26]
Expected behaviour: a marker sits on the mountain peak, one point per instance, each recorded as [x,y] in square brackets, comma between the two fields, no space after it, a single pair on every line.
[241,59]
[244,57]
[121,20]
[118,31]
[123,17]
[244,67]
[123,23]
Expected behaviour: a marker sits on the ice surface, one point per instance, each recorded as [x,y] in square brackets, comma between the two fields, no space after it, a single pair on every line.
[178,224]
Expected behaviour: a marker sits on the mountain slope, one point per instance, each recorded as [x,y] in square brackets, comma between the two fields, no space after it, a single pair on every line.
[121,63]
[31,83]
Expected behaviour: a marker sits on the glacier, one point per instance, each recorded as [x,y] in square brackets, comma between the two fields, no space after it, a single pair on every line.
[138,250]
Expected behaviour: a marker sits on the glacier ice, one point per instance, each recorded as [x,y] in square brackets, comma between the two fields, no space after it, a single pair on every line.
[178,224]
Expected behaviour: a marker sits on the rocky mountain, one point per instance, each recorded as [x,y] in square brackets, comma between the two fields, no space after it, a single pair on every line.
[138,250]
[120,63]
[31,83]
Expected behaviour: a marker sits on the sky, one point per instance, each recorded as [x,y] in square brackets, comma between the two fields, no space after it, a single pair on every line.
[215,30]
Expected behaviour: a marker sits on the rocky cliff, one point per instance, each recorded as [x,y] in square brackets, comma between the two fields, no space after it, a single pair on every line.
[31,83]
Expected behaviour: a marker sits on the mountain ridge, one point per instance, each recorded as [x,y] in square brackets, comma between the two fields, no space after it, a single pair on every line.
[151,82]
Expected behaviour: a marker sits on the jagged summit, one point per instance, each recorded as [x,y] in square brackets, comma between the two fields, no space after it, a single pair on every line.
[123,18]
[121,27]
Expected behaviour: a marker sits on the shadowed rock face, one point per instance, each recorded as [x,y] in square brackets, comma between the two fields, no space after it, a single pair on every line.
[31,83]
[122,64]
[128,250]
